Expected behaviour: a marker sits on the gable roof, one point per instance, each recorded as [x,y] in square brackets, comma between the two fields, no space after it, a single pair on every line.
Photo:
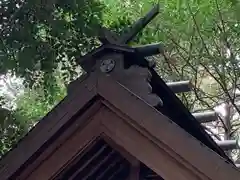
[112,43]
[95,88]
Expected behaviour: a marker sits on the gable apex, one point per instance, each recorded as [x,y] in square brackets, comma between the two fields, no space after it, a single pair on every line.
[103,89]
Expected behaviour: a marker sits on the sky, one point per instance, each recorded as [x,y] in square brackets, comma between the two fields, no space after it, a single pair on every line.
[10,88]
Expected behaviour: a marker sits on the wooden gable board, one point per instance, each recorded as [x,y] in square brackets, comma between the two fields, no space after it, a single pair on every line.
[124,134]
[40,136]
[157,130]
[163,129]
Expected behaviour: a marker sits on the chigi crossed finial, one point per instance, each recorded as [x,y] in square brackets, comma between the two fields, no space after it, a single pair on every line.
[111,42]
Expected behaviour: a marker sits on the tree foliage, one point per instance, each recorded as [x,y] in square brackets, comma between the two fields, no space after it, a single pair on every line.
[11,129]
[30,106]
[38,35]
[39,39]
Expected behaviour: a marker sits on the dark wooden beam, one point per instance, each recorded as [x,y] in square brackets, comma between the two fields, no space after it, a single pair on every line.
[139,25]
[88,61]
[205,117]
[180,86]
[229,144]
[149,49]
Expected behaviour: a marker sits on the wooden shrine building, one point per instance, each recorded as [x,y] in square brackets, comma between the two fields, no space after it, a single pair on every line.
[120,121]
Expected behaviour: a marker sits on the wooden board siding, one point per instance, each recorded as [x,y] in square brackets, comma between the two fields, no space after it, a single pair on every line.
[38,138]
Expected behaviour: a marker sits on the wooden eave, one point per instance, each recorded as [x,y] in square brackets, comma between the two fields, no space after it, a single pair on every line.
[181,115]
[86,111]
